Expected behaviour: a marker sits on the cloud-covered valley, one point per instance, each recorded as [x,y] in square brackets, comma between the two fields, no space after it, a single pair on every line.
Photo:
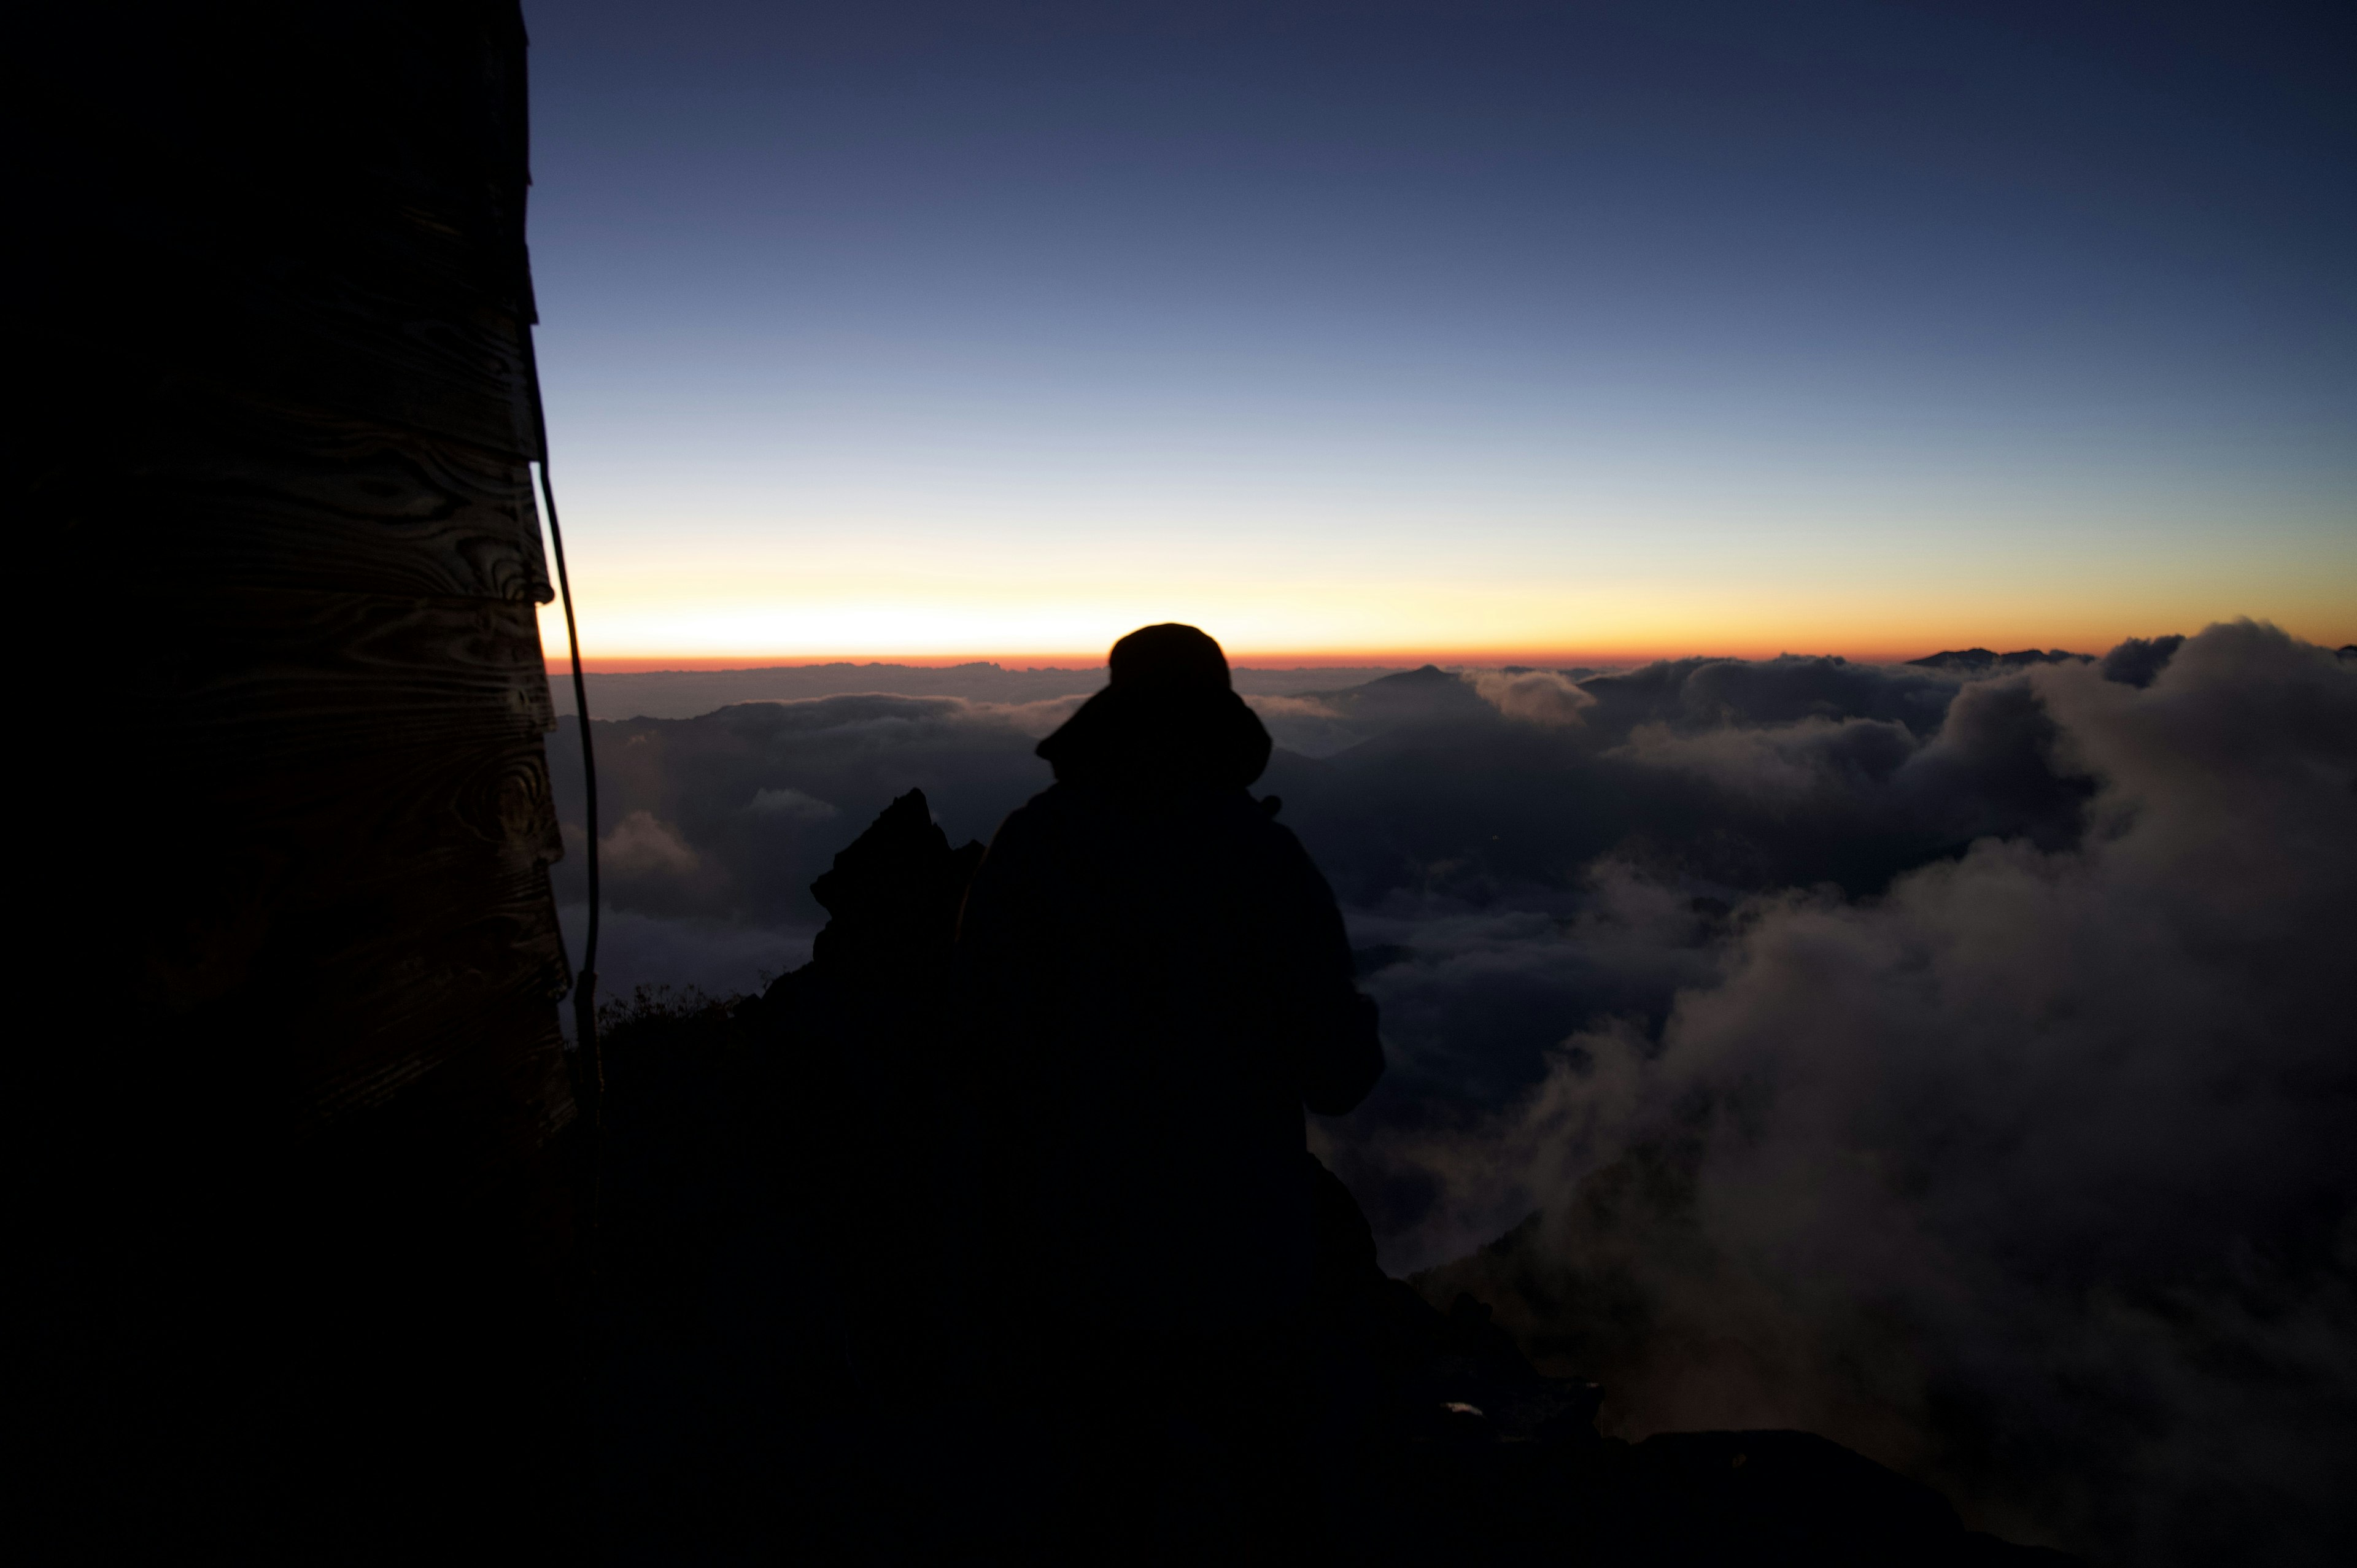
[1954,1059]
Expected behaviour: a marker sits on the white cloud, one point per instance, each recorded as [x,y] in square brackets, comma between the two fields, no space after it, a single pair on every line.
[642,844]
[1538,697]
[2029,1175]
[791,805]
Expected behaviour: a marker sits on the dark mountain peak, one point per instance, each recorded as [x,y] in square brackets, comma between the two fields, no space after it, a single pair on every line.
[1429,675]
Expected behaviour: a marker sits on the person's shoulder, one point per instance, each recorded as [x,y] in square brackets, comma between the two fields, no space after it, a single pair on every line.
[1054,812]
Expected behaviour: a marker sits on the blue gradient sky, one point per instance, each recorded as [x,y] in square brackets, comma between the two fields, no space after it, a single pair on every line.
[1523,330]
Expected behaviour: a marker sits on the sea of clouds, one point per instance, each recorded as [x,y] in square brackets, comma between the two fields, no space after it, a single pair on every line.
[1957,1063]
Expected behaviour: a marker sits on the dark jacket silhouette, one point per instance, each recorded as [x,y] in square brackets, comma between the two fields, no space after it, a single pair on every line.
[1158,982]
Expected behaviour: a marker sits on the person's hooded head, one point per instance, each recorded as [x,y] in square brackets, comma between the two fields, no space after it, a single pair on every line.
[1169,718]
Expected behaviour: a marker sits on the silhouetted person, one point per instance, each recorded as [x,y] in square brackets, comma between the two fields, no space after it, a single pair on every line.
[1156,983]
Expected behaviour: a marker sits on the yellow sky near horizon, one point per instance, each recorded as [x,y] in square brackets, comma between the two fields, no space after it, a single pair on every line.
[1400,623]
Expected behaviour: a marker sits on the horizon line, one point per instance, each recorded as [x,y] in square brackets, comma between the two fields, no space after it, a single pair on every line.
[560,663]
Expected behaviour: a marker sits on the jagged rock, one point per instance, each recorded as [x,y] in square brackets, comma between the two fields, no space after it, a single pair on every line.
[856,1041]
[892,896]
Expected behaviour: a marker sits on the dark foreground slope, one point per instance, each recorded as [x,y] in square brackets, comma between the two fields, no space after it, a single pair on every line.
[787,1317]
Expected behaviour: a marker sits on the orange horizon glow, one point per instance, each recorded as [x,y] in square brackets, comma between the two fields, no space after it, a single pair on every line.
[559,665]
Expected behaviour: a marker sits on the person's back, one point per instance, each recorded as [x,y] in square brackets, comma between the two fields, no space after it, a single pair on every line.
[1168,984]
[1156,982]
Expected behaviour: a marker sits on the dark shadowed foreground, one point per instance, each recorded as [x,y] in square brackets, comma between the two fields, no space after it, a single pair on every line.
[790,1331]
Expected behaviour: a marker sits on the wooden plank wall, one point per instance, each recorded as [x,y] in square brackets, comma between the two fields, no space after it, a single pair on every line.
[303,1148]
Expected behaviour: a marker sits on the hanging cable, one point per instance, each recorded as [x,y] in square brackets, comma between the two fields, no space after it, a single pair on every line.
[592,1075]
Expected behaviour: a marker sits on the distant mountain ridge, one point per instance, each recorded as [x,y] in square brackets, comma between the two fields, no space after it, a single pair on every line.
[686,693]
[1980,659]
[1358,690]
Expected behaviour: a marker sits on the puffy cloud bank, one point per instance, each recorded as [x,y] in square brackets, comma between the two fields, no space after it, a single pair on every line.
[2031,1173]
[1952,1058]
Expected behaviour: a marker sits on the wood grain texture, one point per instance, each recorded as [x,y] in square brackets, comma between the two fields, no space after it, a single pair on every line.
[270,672]
[235,490]
[386,754]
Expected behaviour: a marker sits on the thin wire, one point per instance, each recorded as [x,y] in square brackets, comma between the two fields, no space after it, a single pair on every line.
[585,980]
